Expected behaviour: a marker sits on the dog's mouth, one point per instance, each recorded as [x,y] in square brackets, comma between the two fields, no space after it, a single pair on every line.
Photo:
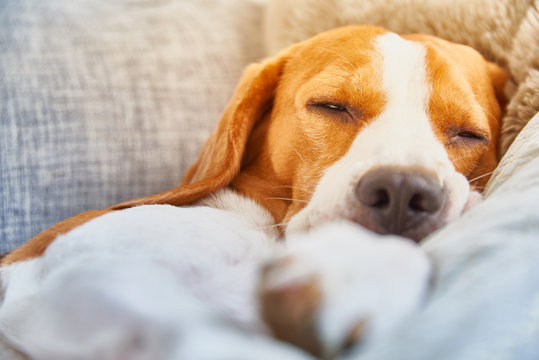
[416,232]
[415,226]
[396,201]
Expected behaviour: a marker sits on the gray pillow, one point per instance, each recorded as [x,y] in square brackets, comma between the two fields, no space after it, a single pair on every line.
[104,101]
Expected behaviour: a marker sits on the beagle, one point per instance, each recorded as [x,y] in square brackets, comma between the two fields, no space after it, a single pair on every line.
[354,126]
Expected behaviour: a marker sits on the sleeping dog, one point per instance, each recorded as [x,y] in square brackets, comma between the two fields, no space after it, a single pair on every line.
[354,132]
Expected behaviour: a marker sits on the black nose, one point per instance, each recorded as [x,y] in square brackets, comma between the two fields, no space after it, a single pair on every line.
[399,199]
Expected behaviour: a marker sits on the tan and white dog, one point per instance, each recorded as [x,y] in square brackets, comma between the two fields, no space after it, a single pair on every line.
[354,126]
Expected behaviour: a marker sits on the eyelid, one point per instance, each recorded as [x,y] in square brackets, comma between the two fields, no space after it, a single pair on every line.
[469,134]
[477,133]
[333,106]
[327,103]
[322,104]
[331,109]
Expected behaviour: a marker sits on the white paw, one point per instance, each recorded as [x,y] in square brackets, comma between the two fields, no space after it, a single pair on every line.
[339,283]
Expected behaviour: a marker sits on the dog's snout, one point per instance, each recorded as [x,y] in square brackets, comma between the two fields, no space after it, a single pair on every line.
[399,199]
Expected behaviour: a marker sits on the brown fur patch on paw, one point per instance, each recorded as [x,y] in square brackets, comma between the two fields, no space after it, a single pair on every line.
[290,310]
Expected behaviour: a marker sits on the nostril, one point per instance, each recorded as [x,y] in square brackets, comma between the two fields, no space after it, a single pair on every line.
[381,199]
[427,199]
[417,203]
[371,194]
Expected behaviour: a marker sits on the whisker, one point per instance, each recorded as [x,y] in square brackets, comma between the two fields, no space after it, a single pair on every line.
[284,198]
[273,226]
[301,157]
[480,176]
[306,190]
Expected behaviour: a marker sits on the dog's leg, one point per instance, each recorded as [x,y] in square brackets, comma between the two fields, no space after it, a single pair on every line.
[340,284]
[146,283]
[109,309]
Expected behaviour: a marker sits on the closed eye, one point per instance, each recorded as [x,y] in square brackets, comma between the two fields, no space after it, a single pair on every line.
[331,106]
[470,136]
[332,109]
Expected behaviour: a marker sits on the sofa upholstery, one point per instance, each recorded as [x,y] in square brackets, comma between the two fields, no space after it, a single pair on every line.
[104,101]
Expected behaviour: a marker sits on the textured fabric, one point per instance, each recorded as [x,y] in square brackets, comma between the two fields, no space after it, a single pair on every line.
[104,101]
[485,298]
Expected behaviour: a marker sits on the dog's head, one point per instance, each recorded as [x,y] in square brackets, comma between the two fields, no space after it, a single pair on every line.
[356,123]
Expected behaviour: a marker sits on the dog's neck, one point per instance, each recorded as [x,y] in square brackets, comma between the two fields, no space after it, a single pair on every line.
[273,195]
[230,200]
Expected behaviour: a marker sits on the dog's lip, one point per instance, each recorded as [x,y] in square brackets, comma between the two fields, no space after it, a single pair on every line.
[417,231]
[415,234]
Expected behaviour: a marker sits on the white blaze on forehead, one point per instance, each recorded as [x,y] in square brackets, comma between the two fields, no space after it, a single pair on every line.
[404,77]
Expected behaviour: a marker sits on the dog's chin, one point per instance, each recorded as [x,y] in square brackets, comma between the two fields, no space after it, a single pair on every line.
[418,233]
[415,233]
[307,219]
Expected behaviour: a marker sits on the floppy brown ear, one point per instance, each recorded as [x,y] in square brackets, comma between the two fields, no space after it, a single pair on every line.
[221,156]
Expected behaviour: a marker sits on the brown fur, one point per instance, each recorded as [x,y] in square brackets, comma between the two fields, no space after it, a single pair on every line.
[290,312]
[40,242]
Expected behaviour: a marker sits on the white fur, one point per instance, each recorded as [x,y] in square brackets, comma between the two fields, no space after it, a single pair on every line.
[159,282]
[142,283]
[401,135]
[355,267]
